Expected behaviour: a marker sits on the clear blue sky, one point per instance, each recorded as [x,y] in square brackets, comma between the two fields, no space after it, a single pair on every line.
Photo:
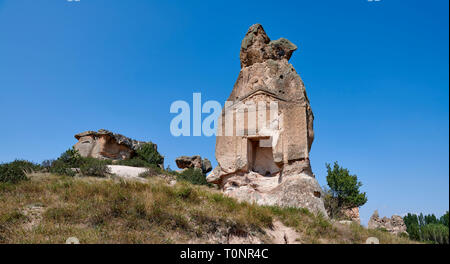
[376,74]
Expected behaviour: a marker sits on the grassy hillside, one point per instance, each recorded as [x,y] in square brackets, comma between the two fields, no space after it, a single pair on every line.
[49,209]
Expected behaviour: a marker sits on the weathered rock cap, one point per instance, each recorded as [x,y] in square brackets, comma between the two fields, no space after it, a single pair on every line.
[186,162]
[105,144]
[120,139]
[256,47]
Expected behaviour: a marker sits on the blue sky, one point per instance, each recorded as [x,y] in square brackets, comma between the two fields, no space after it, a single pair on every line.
[376,74]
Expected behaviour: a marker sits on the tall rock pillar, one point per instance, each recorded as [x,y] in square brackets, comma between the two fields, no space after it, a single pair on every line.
[266,130]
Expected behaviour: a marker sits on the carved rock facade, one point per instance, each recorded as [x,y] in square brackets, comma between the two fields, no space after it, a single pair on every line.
[268,164]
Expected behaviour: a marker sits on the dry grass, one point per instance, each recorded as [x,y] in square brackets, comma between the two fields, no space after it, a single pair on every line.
[107,211]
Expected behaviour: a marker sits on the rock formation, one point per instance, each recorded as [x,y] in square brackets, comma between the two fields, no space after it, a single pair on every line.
[268,164]
[185,162]
[352,214]
[394,225]
[104,144]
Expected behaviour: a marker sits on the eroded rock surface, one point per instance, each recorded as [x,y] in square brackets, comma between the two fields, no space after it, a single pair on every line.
[352,214]
[105,144]
[185,162]
[269,163]
[394,225]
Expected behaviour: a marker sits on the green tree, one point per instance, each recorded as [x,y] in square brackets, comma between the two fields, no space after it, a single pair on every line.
[444,219]
[436,233]
[427,228]
[421,220]
[431,219]
[412,226]
[344,187]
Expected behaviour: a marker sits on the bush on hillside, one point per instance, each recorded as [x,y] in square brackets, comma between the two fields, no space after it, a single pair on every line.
[61,168]
[94,167]
[12,173]
[71,158]
[194,176]
[148,153]
[27,166]
[64,164]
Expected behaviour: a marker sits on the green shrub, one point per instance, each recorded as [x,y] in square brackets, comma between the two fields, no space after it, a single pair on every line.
[146,156]
[16,171]
[27,166]
[194,176]
[148,153]
[12,173]
[94,167]
[61,168]
[71,158]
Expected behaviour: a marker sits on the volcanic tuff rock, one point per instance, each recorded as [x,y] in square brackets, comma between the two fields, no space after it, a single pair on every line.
[394,225]
[105,144]
[256,47]
[185,162]
[268,164]
[352,214]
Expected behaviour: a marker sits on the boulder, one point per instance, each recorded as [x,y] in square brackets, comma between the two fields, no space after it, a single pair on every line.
[196,162]
[267,163]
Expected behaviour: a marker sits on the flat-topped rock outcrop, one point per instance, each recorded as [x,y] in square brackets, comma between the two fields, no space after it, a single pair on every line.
[105,144]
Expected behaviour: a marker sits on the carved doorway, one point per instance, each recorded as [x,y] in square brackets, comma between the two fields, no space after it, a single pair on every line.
[260,158]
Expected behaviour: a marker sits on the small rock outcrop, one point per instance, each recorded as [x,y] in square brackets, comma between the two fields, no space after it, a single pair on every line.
[352,214]
[105,144]
[268,165]
[394,225]
[185,162]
